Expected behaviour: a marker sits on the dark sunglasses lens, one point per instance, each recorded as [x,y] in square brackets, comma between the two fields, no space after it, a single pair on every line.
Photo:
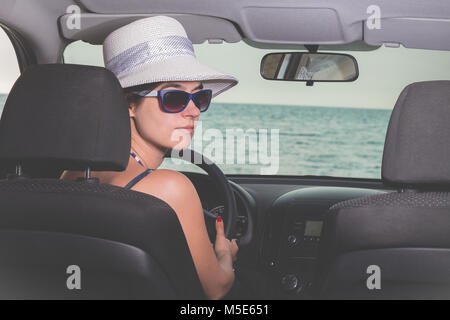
[202,99]
[175,101]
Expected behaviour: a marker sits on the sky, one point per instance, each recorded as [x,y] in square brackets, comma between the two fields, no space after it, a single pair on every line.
[383,74]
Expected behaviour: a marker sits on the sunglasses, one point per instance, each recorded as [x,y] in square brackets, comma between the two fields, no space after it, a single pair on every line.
[174,101]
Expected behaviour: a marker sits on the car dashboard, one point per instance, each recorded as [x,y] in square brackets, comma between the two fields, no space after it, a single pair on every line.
[280,226]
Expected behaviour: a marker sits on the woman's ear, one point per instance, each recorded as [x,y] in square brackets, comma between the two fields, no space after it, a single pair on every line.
[131,109]
[131,105]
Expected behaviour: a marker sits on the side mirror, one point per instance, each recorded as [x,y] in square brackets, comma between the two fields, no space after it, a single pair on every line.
[311,67]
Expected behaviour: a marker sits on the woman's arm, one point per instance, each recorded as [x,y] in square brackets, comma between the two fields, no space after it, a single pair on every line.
[65,175]
[214,265]
[71,175]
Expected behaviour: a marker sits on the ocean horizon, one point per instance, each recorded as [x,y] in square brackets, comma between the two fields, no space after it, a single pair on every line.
[321,141]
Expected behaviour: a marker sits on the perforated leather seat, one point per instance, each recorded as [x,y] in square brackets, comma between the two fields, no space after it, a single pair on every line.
[406,233]
[126,244]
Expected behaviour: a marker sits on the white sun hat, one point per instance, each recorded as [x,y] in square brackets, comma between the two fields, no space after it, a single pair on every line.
[157,49]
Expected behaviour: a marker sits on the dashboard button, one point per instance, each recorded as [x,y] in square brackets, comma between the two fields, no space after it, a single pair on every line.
[290,283]
[292,240]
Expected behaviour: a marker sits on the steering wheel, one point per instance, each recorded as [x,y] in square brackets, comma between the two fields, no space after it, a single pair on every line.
[221,182]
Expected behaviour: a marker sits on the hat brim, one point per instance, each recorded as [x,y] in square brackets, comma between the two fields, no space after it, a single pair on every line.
[180,68]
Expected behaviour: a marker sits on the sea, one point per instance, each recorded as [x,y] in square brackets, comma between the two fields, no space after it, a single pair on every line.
[288,140]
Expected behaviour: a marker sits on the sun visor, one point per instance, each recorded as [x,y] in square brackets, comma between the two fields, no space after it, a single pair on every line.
[299,26]
[93,28]
[419,33]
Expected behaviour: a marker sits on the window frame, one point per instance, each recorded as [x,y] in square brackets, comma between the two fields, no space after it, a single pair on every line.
[24,54]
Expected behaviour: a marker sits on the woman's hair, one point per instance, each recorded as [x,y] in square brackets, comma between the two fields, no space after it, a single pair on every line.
[135,98]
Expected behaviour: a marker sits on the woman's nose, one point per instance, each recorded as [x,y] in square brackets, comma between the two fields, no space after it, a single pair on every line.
[191,109]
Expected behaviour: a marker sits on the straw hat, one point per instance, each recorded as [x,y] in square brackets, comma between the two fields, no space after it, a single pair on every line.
[157,49]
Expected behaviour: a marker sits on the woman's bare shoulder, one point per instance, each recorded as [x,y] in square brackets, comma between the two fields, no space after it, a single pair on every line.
[165,178]
[171,186]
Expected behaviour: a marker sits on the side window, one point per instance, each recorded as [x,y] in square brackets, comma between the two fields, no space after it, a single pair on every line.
[9,67]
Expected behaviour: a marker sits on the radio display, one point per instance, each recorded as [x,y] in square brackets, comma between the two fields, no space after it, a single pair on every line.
[313,228]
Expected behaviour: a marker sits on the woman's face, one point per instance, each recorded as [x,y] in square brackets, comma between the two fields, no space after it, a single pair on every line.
[162,129]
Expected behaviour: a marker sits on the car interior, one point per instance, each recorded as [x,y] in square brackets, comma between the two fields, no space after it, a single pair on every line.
[301,237]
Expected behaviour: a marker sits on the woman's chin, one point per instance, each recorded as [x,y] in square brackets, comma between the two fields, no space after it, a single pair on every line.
[183,142]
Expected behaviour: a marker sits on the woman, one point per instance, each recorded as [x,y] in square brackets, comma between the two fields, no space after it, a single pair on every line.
[167,88]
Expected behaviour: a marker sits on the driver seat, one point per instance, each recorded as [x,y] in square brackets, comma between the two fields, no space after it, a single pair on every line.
[81,239]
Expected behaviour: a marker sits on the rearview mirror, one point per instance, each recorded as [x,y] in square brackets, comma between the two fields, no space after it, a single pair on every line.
[311,67]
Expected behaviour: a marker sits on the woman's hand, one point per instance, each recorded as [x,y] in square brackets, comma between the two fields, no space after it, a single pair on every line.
[223,246]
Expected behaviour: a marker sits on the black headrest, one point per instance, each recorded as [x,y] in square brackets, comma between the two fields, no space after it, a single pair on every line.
[417,147]
[68,116]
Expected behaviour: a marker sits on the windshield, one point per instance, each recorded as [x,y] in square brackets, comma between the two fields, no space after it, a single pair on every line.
[288,128]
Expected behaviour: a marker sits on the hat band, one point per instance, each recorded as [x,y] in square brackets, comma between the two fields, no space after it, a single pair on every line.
[150,52]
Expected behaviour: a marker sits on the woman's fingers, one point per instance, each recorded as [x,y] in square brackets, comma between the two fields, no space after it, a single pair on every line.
[234,249]
[235,245]
[222,244]
[219,227]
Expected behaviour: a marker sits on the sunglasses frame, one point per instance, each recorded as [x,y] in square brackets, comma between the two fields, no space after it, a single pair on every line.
[160,94]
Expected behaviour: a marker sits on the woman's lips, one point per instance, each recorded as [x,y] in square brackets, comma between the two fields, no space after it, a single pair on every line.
[187,129]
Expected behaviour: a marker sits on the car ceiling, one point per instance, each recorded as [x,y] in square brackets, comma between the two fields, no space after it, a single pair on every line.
[412,23]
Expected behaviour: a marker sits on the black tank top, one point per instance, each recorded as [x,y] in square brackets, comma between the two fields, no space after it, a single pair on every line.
[139,177]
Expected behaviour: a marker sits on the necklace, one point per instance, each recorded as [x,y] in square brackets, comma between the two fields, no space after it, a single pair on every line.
[134,155]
